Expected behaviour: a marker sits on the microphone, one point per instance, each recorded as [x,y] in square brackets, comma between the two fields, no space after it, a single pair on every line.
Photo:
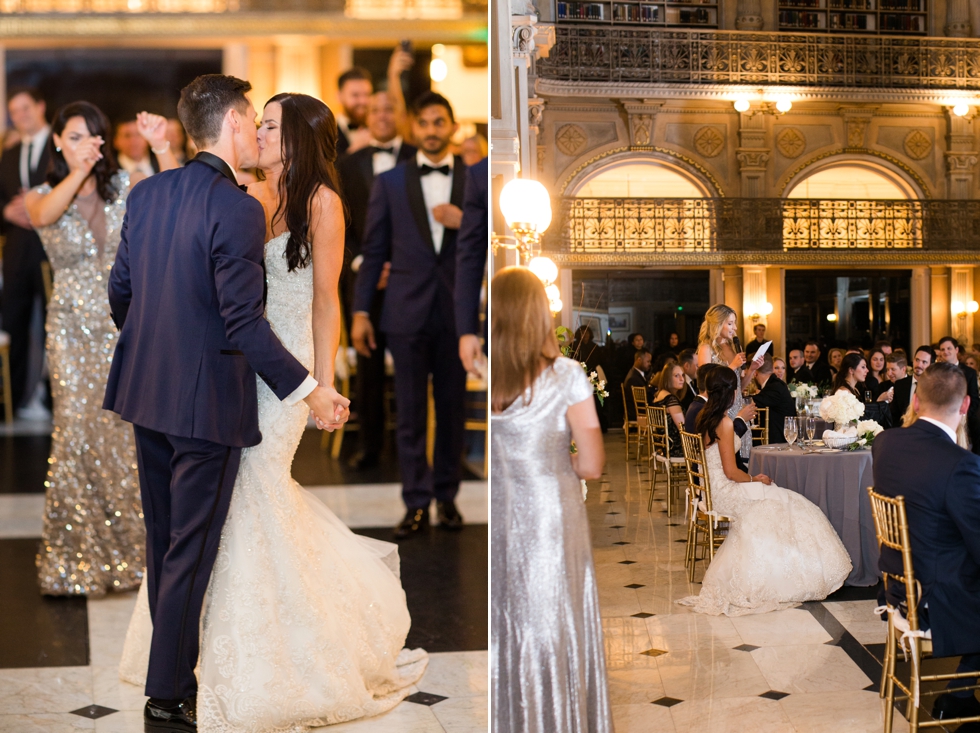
[737,344]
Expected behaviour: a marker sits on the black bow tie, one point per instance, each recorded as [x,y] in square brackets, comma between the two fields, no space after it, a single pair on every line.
[380,149]
[425,170]
[244,187]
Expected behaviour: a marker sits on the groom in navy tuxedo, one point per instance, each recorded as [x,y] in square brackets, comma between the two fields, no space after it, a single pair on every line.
[941,485]
[187,292]
[412,222]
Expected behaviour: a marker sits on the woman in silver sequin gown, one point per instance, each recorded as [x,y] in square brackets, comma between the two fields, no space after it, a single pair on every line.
[715,345]
[547,661]
[93,535]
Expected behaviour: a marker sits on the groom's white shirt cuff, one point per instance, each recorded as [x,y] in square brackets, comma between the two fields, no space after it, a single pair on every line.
[302,392]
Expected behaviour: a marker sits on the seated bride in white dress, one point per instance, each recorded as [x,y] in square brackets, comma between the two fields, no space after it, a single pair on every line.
[780,550]
[304,622]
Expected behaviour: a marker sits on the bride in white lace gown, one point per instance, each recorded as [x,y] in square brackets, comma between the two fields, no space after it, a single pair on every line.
[304,623]
[780,550]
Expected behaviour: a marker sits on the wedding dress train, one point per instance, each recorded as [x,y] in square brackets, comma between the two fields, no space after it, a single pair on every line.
[304,621]
[780,551]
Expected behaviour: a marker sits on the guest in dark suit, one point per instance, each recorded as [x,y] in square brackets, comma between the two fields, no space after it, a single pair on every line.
[773,394]
[741,421]
[357,173]
[905,387]
[472,245]
[688,359]
[941,485]
[797,370]
[760,338]
[21,168]
[638,376]
[949,351]
[413,217]
[354,90]
[187,292]
[818,368]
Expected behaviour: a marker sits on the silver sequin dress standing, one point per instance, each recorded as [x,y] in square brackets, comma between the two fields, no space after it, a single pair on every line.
[93,537]
[548,669]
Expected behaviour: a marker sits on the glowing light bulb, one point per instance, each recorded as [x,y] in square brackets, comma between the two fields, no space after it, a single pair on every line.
[742,104]
[438,70]
[556,305]
[766,308]
[973,306]
[438,50]
[784,105]
[544,268]
[832,317]
[958,307]
[553,292]
[961,109]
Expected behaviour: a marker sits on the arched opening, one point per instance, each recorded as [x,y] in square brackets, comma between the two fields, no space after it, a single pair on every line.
[851,180]
[632,178]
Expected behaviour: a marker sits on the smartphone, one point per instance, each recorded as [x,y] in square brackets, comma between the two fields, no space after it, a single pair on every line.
[406,46]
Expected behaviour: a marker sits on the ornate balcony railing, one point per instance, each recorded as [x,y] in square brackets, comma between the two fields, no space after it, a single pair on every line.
[388,9]
[618,226]
[615,54]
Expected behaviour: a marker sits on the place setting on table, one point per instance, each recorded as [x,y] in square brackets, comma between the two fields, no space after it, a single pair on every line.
[833,471]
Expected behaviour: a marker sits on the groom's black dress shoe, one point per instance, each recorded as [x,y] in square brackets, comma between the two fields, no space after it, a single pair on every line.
[414,522]
[179,718]
[948,706]
[449,516]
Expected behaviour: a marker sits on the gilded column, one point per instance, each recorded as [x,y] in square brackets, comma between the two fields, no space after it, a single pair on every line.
[748,15]
[940,302]
[958,19]
[921,310]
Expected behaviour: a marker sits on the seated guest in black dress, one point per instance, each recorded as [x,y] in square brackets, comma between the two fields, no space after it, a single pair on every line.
[850,378]
[671,387]
[941,485]
[877,369]
[637,377]
[773,394]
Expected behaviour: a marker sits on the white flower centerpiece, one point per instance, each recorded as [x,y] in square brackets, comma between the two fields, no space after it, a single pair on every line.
[803,393]
[867,431]
[843,409]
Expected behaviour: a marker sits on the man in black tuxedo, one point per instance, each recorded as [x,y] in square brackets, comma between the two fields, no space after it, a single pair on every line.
[774,394]
[797,370]
[187,292]
[638,376]
[354,90]
[949,349]
[688,359]
[941,485]
[472,245]
[818,368]
[413,217]
[741,421]
[905,387]
[357,173]
[22,167]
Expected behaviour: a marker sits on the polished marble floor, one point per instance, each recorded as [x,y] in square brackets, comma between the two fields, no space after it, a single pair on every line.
[811,669]
[59,656]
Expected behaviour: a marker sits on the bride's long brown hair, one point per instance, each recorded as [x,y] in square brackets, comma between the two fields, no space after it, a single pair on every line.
[521,334]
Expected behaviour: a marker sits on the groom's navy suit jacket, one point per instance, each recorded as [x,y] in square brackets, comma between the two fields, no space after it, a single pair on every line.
[941,485]
[187,291]
[398,231]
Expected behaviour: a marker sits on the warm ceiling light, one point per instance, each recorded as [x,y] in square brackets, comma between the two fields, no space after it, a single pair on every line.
[742,104]
[552,291]
[556,305]
[961,109]
[766,308]
[958,308]
[973,306]
[784,105]
[438,70]
[832,317]
[545,269]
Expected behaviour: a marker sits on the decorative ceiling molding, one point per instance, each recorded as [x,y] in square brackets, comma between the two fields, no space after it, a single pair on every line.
[731,92]
[876,258]
[237,24]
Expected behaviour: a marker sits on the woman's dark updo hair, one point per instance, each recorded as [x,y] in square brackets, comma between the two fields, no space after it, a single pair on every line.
[98,126]
[308,134]
[848,365]
[720,385]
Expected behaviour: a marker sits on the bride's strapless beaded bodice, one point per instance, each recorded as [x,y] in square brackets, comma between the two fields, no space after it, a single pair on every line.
[289,301]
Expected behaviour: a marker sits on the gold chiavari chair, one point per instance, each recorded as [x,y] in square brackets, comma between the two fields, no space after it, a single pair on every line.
[760,430]
[892,528]
[642,420]
[705,529]
[674,468]
[629,426]
[8,400]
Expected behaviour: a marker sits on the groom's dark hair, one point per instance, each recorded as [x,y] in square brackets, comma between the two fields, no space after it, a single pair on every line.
[204,102]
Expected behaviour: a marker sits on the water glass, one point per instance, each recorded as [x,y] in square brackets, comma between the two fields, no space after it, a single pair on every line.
[789,430]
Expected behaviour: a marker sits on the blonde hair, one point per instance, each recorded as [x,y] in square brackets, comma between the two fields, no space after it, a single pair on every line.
[962,440]
[714,319]
[521,334]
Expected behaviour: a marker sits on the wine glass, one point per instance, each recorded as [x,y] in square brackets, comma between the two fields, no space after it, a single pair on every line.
[789,431]
[811,428]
